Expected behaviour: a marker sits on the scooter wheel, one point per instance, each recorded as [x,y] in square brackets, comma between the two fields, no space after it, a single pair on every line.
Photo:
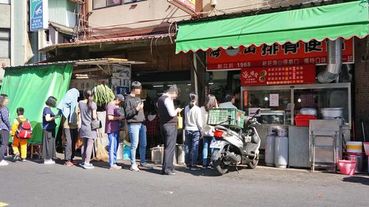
[253,163]
[220,167]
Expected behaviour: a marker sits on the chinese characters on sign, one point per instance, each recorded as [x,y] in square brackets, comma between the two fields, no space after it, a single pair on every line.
[300,74]
[274,99]
[312,52]
[38,15]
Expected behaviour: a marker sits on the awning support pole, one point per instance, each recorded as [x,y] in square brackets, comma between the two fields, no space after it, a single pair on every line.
[195,78]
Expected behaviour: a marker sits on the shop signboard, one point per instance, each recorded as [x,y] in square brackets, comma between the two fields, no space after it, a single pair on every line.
[298,74]
[312,52]
[38,15]
[188,6]
[122,90]
[121,76]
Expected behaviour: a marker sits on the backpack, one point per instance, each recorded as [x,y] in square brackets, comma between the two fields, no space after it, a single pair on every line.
[24,129]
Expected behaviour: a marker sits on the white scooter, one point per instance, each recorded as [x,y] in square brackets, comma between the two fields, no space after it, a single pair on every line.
[233,149]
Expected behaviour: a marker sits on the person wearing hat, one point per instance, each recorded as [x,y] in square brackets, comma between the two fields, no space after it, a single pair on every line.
[135,116]
[113,118]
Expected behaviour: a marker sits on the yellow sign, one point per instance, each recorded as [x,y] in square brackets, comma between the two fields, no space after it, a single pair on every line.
[188,6]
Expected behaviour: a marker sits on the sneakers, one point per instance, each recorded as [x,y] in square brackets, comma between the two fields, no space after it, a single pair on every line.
[169,173]
[147,166]
[87,166]
[134,168]
[115,167]
[3,163]
[49,162]
[16,158]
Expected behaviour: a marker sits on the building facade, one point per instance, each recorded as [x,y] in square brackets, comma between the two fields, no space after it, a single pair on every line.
[5,35]
[105,21]
[25,44]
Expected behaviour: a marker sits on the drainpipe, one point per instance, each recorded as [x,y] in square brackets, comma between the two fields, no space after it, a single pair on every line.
[334,62]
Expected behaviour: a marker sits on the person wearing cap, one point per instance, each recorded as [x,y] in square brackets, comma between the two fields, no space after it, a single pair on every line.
[135,116]
[113,118]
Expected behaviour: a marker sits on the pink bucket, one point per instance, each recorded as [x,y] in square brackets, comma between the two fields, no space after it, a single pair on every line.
[347,167]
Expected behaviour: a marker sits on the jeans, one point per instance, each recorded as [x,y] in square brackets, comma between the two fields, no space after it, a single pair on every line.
[169,132]
[192,147]
[137,135]
[4,143]
[205,150]
[113,147]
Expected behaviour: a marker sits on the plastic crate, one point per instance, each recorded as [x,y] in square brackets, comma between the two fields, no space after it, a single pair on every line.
[220,117]
[303,120]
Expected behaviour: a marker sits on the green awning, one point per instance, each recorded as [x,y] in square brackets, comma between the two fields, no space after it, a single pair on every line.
[331,21]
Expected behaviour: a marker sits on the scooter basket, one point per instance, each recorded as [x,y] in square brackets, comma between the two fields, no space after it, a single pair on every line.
[220,116]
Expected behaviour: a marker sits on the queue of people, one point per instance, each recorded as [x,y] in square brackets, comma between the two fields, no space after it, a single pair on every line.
[79,119]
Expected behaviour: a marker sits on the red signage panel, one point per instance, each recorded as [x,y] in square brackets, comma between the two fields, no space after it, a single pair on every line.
[299,74]
[301,53]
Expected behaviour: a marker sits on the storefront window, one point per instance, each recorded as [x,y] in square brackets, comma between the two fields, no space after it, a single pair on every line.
[324,101]
[275,105]
[328,103]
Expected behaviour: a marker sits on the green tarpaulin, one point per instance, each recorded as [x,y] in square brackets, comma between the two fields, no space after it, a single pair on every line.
[29,87]
[332,21]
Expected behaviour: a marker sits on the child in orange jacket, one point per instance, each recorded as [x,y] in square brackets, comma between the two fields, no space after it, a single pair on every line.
[17,142]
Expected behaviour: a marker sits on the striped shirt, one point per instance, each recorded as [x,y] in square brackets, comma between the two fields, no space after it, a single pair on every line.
[4,119]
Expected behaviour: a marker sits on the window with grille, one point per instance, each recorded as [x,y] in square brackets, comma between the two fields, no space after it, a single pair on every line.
[5,43]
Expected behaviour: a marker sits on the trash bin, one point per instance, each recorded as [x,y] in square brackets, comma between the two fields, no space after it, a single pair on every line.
[269,150]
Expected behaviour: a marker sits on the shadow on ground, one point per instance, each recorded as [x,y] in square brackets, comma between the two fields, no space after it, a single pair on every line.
[198,172]
[357,179]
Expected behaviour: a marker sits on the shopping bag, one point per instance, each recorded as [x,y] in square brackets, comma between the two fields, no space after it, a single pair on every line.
[180,121]
[101,152]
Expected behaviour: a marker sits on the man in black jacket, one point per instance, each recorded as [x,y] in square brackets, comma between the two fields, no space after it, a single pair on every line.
[137,130]
[168,127]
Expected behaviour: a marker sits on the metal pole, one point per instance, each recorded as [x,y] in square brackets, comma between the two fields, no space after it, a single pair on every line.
[292,106]
[195,82]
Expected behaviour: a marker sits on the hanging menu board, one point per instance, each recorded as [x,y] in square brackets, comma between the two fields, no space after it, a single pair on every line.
[300,74]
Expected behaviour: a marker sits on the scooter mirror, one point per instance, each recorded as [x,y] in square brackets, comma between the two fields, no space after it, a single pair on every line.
[257,112]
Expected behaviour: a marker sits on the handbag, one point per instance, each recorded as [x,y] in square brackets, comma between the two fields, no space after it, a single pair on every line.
[96,124]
